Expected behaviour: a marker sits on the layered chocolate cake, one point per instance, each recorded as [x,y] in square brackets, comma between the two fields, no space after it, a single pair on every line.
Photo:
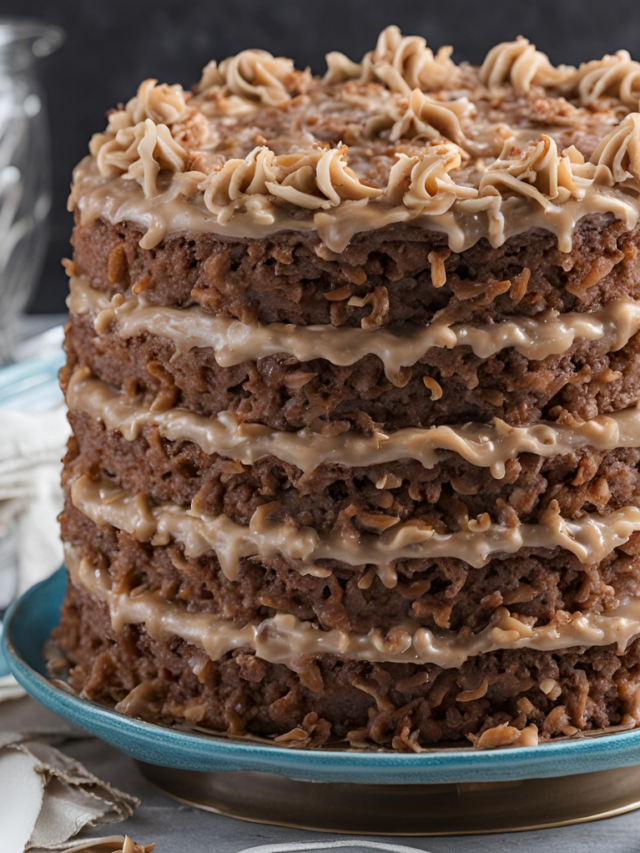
[353,373]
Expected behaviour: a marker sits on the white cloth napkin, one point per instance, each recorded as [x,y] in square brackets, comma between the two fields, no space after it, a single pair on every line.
[31,447]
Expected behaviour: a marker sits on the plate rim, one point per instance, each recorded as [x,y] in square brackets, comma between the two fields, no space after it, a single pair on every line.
[464,765]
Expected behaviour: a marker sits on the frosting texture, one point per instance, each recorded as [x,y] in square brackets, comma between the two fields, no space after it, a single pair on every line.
[405,135]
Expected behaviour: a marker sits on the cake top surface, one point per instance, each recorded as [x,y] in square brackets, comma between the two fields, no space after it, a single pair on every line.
[405,135]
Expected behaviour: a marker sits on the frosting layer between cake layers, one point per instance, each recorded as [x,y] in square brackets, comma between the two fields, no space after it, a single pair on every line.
[286,640]
[235,342]
[485,445]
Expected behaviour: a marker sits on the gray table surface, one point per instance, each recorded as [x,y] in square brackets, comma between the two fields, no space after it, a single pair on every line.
[177,828]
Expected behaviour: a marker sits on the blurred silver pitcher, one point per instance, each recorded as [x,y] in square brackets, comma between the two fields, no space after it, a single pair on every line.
[25,175]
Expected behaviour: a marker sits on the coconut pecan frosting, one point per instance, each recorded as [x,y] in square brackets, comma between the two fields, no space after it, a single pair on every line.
[404,134]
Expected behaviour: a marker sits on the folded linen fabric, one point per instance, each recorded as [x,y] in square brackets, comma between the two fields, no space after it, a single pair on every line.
[47,798]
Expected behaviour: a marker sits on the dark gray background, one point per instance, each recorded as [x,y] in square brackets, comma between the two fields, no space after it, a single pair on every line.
[113,44]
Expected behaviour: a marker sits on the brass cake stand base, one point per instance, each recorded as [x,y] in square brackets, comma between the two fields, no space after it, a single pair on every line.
[451,809]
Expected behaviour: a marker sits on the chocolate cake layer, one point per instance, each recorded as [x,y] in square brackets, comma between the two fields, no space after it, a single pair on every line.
[374,497]
[398,705]
[284,277]
[438,593]
[283,393]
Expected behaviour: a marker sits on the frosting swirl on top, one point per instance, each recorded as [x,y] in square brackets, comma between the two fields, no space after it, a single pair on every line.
[616,76]
[163,104]
[424,117]
[314,180]
[252,77]
[540,172]
[423,182]
[139,153]
[519,64]
[550,177]
[401,63]
[617,157]
[154,132]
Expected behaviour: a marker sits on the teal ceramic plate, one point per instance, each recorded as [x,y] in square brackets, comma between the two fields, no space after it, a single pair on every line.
[30,619]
